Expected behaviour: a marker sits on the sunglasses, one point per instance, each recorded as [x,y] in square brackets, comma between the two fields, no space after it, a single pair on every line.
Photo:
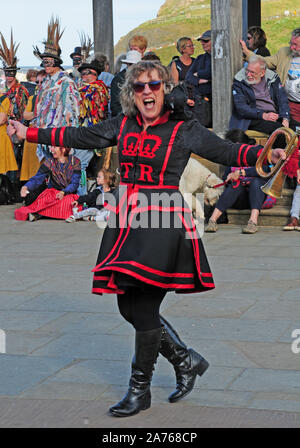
[154,86]
[88,72]
[249,37]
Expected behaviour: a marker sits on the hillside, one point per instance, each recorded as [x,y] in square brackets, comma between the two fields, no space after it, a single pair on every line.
[177,18]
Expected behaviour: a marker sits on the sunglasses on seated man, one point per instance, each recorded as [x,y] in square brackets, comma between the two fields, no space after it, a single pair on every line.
[154,86]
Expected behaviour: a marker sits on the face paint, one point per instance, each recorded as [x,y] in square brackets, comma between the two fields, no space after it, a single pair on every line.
[76,61]
[48,62]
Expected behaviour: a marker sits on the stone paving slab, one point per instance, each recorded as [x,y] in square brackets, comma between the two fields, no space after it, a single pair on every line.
[68,352]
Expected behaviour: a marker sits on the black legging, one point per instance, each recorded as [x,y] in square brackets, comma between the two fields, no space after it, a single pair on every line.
[140,307]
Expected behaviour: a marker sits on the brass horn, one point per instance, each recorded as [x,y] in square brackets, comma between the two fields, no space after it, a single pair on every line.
[276,176]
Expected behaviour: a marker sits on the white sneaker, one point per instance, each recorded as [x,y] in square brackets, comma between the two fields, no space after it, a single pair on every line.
[71,219]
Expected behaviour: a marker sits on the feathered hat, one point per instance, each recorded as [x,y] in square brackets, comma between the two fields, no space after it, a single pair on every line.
[86,46]
[52,48]
[8,56]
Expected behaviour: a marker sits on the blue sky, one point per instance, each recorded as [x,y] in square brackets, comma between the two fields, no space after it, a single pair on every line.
[29,20]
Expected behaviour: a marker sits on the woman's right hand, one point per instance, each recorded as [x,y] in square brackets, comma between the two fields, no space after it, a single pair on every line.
[244,47]
[15,127]
[24,192]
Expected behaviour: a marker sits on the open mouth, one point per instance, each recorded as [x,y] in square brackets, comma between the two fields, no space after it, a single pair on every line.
[149,103]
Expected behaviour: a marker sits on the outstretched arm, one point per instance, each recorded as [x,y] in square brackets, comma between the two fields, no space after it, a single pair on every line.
[207,144]
[98,136]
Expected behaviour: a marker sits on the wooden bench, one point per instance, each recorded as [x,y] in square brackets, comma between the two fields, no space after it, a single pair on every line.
[259,137]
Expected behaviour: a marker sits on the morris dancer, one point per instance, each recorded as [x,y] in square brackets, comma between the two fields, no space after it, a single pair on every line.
[138,264]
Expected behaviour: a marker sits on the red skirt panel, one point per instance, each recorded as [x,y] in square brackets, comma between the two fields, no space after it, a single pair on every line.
[48,205]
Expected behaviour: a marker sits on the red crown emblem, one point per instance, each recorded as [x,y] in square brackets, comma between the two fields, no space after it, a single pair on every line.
[146,148]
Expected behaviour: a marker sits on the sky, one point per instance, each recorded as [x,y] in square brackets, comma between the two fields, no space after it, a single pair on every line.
[29,20]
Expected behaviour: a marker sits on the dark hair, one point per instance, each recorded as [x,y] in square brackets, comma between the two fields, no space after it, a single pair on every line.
[109,177]
[239,136]
[150,56]
[259,36]
[41,73]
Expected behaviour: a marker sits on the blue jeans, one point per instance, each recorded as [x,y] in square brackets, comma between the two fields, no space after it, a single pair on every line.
[295,210]
[84,155]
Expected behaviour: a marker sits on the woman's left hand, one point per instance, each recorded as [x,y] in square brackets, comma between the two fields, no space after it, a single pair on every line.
[276,154]
[60,195]
[234,176]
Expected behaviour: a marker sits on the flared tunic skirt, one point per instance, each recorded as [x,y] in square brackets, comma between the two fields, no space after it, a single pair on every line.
[152,243]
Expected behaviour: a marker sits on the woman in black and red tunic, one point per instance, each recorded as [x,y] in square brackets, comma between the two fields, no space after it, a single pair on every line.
[151,245]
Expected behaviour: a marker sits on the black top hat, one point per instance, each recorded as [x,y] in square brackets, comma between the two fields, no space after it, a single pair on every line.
[93,65]
[76,52]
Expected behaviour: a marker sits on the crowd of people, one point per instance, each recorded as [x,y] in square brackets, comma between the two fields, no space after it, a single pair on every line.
[266,96]
[156,131]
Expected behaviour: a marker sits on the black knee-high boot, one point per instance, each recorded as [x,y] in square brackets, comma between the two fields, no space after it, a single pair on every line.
[187,363]
[138,396]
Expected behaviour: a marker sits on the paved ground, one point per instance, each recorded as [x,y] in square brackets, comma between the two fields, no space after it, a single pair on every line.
[67,352]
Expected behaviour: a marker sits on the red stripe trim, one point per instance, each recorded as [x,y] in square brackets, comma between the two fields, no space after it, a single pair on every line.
[196,254]
[150,187]
[61,136]
[160,209]
[122,127]
[245,155]
[239,155]
[108,291]
[147,280]
[53,137]
[154,271]
[32,135]
[162,173]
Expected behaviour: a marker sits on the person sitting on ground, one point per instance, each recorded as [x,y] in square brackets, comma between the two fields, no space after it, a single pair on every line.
[256,41]
[243,190]
[63,173]
[259,100]
[180,66]
[30,161]
[95,199]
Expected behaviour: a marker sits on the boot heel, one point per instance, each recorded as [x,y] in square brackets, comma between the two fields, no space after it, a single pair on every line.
[202,367]
[201,363]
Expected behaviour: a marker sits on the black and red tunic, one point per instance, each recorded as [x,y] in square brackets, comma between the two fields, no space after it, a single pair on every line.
[151,237]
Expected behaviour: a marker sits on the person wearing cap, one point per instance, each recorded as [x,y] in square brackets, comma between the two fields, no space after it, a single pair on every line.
[76,57]
[132,57]
[94,99]
[57,103]
[199,75]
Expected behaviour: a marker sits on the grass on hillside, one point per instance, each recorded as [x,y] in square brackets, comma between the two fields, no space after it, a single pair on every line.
[162,35]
